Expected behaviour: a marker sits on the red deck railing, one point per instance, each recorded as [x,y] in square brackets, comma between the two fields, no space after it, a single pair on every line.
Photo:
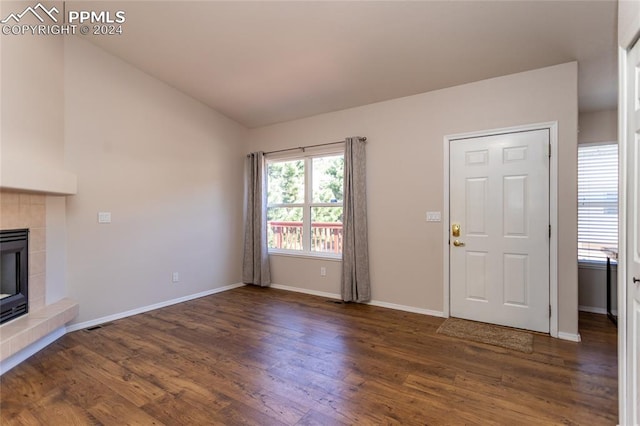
[325,236]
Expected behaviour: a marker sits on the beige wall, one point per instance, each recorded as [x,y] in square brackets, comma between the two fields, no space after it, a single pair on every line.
[169,170]
[405,178]
[600,126]
[32,91]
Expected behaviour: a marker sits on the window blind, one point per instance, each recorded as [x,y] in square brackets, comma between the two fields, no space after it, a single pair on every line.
[597,200]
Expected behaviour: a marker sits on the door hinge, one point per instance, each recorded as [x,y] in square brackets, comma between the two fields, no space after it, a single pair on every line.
[549,231]
[549,150]
[549,311]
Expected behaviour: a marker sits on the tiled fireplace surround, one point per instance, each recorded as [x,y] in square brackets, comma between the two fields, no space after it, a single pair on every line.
[24,210]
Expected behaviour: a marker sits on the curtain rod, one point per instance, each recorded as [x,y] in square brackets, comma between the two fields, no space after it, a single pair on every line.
[364,139]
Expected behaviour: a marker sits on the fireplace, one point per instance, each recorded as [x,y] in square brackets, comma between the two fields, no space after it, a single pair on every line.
[14,273]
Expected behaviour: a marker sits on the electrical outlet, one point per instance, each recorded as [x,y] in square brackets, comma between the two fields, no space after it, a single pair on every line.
[104,217]
[433,217]
[175,277]
[323,271]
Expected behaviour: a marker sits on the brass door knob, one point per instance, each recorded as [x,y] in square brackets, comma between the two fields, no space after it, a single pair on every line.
[458,243]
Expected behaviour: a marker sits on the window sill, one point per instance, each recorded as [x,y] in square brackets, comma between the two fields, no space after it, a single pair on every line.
[306,255]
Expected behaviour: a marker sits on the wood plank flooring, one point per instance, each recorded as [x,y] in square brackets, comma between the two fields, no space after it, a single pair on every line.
[257,356]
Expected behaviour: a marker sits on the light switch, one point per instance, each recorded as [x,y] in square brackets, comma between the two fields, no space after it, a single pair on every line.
[433,216]
[104,217]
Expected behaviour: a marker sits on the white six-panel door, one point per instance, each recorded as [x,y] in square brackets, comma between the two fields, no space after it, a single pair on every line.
[499,197]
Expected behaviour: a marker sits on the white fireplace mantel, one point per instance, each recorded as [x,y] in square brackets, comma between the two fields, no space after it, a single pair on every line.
[24,176]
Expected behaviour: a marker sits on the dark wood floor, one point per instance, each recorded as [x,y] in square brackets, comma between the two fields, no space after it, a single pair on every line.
[268,357]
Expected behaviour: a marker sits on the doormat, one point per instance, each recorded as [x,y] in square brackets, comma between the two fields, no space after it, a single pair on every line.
[488,333]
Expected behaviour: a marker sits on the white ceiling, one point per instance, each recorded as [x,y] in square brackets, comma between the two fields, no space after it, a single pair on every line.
[266,62]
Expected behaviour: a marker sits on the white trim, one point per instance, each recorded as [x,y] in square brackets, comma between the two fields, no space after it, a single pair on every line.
[136,311]
[553,221]
[552,126]
[445,231]
[305,254]
[406,308]
[592,309]
[308,204]
[306,291]
[372,303]
[625,402]
[30,350]
[38,345]
[569,336]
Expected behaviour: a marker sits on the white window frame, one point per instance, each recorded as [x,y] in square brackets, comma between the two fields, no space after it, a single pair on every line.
[307,206]
[595,263]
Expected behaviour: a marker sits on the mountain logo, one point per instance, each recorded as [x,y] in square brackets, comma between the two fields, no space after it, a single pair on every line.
[38,11]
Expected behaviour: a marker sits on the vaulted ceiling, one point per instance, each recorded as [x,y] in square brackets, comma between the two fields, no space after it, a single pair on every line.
[265,62]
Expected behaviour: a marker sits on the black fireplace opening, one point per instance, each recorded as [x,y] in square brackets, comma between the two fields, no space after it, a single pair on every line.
[14,273]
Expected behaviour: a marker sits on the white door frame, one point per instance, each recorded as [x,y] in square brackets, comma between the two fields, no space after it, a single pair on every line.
[626,404]
[552,126]
[624,394]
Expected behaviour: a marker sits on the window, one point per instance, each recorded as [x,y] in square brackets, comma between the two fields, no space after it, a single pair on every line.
[304,204]
[597,200]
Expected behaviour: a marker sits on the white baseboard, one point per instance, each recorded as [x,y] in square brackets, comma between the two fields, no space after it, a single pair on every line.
[306,291]
[372,303]
[407,308]
[569,336]
[561,335]
[120,315]
[35,347]
[30,350]
[592,309]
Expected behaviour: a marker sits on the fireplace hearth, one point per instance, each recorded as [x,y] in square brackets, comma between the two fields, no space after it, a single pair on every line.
[14,273]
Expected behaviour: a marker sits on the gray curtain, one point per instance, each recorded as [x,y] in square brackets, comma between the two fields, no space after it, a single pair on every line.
[356,286]
[255,261]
